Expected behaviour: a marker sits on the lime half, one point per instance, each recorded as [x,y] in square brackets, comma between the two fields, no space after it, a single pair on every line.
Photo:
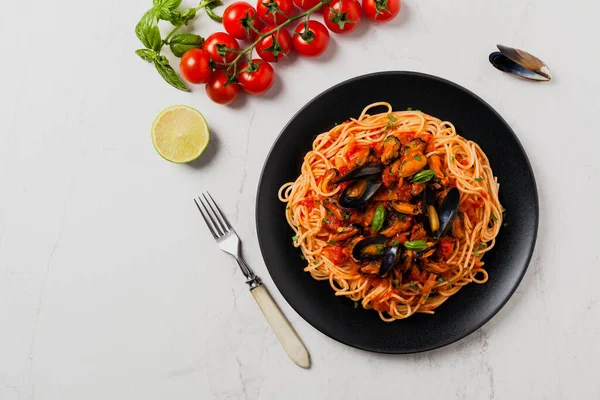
[180,134]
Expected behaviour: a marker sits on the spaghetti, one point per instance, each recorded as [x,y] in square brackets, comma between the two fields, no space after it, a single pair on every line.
[422,278]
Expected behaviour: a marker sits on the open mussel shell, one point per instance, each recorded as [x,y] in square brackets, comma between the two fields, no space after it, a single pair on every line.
[371,248]
[439,219]
[520,63]
[391,257]
[447,212]
[366,170]
[359,192]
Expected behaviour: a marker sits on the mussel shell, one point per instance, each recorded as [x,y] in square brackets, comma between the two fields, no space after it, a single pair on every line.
[358,250]
[391,257]
[447,212]
[349,201]
[367,170]
[520,64]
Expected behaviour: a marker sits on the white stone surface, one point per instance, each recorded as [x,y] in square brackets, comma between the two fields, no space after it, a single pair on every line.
[111,288]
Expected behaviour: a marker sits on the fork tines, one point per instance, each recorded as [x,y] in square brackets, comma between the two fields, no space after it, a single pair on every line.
[214,218]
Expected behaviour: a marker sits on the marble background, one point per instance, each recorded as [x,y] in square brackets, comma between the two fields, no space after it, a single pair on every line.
[111,288]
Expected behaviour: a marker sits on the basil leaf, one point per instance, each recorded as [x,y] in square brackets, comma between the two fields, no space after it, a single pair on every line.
[378,218]
[423,176]
[188,15]
[146,54]
[416,245]
[183,42]
[170,4]
[169,75]
[147,31]
[478,179]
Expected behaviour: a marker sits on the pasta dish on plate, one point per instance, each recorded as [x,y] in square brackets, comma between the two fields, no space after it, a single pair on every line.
[395,210]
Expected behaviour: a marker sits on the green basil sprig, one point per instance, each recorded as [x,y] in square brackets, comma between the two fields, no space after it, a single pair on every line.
[423,176]
[183,42]
[378,218]
[416,245]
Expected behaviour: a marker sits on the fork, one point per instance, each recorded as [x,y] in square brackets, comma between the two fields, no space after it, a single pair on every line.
[229,242]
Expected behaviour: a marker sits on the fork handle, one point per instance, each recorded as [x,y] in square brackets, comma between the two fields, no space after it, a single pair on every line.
[287,336]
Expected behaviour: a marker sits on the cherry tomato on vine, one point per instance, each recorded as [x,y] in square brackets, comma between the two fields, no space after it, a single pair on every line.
[195,66]
[217,44]
[270,50]
[256,77]
[306,4]
[275,12]
[238,20]
[220,90]
[311,38]
[342,16]
[381,10]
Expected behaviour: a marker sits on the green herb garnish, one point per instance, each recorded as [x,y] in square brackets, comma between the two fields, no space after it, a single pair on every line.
[378,218]
[423,176]
[302,257]
[356,304]
[412,285]
[478,179]
[392,118]
[417,157]
[494,217]
[332,242]
[395,243]
[416,245]
[451,158]
[409,109]
[329,212]
[476,253]
[295,238]
[481,246]
[326,220]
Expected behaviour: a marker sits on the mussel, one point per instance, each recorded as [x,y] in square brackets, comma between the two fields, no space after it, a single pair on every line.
[375,248]
[346,232]
[391,149]
[367,180]
[439,219]
[329,179]
[391,257]
[362,172]
[519,63]
[370,248]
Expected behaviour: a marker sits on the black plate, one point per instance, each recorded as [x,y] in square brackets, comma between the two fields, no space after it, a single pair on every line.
[473,305]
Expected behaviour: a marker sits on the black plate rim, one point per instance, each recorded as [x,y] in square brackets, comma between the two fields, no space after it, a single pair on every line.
[493,311]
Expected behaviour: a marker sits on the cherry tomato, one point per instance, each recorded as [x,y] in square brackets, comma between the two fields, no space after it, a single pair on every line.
[306,4]
[258,77]
[219,90]
[270,51]
[216,44]
[342,16]
[275,12]
[238,20]
[313,41]
[381,10]
[195,66]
